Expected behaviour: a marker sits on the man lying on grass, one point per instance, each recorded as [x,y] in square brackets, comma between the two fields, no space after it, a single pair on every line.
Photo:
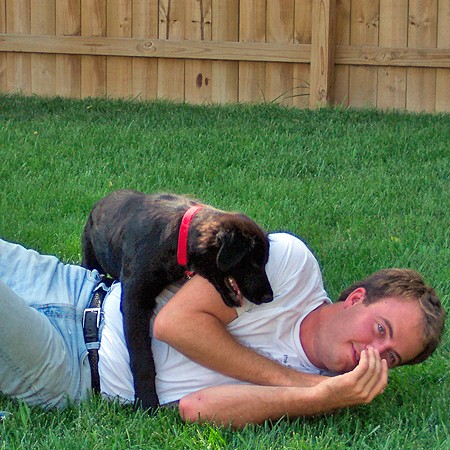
[299,355]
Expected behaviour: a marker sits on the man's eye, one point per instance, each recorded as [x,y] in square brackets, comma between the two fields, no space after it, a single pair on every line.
[381,329]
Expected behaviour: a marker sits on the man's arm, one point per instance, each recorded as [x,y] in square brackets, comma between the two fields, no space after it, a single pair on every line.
[194,322]
[239,405]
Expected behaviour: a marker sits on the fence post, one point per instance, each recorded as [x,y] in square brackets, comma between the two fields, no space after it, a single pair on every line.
[322,52]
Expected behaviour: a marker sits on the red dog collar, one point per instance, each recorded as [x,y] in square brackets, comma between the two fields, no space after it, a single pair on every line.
[183,234]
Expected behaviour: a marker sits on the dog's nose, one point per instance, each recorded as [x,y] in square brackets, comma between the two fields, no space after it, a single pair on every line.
[266,298]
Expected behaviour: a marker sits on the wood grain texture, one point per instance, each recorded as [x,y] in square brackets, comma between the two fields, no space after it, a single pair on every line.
[302,21]
[322,52]
[93,68]
[341,78]
[252,28]
[198,73]
[172,26]
[68,67]
[302,36]
[365,21]
[279,85]
[43,67]
[422,33]
[18,66]
[225,74]
[145,16]
[118,69]
[391,92]
[226,51]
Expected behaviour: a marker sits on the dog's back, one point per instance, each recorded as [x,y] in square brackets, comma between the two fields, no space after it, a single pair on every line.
[124,218]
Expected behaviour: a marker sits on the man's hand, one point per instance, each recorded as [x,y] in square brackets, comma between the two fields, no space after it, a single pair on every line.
[359,386]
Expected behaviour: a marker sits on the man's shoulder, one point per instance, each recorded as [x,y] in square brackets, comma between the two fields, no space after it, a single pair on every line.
[282,242]
[289,254]
[293,271]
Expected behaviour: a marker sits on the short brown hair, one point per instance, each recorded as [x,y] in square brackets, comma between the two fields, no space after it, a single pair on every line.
[409,285]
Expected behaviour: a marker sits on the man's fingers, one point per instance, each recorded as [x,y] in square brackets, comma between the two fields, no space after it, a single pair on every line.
[374,380]
[383,379]
[366,367]
[369,378]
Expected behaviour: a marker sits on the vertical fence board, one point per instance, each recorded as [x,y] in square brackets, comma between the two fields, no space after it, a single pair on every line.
[322,51]
[421,82]
[18,65]
[302,21]
[301,73]
[279,28]
[364,31]
[68,67]
[443,41]
[93,68]
[43,67]
[144,84]
[3,55]
[442,90]
[393,33]
[302,35]
[171,71]
[342,33]
[225,74]
[252,28]
[198,73]
[118,68]
[279,83]
[391,88]
[280,21]
[421,89]
[422,23]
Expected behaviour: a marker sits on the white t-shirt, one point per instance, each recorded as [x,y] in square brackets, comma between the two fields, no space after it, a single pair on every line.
[272,329]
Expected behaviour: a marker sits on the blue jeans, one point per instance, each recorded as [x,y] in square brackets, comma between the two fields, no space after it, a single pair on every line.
[43,356]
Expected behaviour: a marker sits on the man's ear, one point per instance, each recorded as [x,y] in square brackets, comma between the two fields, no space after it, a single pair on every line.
[355,297]
[233,247]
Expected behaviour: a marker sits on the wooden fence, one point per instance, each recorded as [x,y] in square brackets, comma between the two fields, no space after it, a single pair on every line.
[305,53]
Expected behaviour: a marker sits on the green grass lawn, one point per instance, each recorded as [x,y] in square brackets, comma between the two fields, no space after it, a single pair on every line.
[365,190]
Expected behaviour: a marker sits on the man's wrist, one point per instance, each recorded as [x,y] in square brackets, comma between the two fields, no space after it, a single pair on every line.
[302,379]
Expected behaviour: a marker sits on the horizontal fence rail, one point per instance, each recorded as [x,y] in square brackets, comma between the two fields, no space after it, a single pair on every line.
[304,53]
[222,51]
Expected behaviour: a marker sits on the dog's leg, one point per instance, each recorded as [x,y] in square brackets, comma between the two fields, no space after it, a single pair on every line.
[137,305]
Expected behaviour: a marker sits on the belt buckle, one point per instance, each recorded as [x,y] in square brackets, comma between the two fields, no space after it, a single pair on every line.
[93,310]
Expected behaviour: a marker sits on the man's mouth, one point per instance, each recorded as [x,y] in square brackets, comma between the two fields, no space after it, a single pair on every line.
[234,289]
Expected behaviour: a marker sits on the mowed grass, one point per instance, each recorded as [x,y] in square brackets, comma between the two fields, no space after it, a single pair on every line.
[365,190]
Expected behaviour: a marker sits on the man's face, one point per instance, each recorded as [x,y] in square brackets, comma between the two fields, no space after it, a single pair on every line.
[391,325]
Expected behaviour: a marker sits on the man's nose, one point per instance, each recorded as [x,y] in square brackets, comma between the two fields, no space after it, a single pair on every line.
[382,348]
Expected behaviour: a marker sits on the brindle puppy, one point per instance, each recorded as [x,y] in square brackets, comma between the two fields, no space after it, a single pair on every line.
[133,237]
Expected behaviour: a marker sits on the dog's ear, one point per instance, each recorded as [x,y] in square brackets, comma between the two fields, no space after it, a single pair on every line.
[233,247]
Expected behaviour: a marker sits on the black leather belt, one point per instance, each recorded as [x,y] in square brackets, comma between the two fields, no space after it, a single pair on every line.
[91,323]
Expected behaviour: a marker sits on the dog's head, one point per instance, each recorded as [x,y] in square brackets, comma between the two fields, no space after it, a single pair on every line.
[232,252]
